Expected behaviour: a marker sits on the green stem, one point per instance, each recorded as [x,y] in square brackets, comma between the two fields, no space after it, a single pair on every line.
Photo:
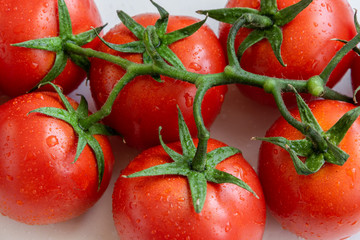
[107,107]
[73,48]
[305,129]
[199,161]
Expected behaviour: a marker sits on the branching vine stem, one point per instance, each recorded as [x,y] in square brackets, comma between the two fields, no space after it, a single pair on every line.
[233,73]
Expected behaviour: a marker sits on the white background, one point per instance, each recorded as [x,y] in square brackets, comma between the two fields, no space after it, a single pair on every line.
[239,120]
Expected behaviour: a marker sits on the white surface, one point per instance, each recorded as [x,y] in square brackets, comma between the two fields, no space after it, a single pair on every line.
[239,120]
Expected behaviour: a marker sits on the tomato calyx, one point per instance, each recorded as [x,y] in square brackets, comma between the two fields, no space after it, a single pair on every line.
[182,166]
[57,45]
[266,22]
[318,146]
[159,37]
[85,136]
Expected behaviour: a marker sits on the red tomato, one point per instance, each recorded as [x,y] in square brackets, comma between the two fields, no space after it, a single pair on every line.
[307,44]
[144,104]
[20,68]
[324,205]
[355,75]
[39,183]
[161,207]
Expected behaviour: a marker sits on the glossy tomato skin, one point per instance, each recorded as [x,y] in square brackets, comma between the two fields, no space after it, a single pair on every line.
[324,205]
[144,104]
[39,183]
[161,207]
[307,45]
[21,68]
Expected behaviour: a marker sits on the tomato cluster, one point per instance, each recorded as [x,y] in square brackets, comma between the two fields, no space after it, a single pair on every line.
[56,162]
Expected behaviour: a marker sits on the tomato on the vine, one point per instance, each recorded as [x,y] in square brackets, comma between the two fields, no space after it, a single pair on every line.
[161,207]
[323,205]
[21,69]
[145,104]
[308,44]
[39,181]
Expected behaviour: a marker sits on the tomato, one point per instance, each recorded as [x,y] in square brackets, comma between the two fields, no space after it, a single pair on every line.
[323,205]
[161,207]
[307,45]
[22,68]
[39,183]
[144,104]
[355,75]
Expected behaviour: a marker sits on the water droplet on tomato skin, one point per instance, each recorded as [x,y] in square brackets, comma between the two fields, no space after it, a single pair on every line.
[52,141]
[189,100]
[19,202]
[195,66]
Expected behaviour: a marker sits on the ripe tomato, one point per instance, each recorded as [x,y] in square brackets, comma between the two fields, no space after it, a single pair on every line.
[324,205]
[355,75]
[161,207]
[144,104]
[21,68]
[39,183]
[307,44]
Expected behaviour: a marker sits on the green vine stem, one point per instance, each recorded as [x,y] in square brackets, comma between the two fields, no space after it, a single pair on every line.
[233,73]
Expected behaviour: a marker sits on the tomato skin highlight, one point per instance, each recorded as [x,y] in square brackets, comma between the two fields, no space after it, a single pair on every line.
[324,205]
[161,207]
[307,47]
[21,68]
[39,183]
[144,104]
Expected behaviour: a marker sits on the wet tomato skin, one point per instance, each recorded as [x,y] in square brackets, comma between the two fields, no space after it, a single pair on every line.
[324,205]
[21,68]
[161,207]
[144,104]
[39,183]
[307,46]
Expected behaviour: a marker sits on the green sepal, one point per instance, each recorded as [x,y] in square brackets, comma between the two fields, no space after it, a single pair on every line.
[227,15]
[254,36]
[272,34]
[65,27]
[85,136]
[198,187]
[52,44]
[316,153]
[337,132]
[306,115]
[58,45]
[136,28]
[286,15]
[335,155]
[162,23]
[295,148]
[86,37]
[182,166]
[275,37]
[182,33]
[268,7]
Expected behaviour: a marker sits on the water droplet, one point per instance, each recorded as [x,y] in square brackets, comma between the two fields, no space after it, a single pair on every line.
[189,100]
[195,66]
[52,141]
[19,202]
[9,178]
[316,24]
[228,227]
[328,7]
[34,65]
